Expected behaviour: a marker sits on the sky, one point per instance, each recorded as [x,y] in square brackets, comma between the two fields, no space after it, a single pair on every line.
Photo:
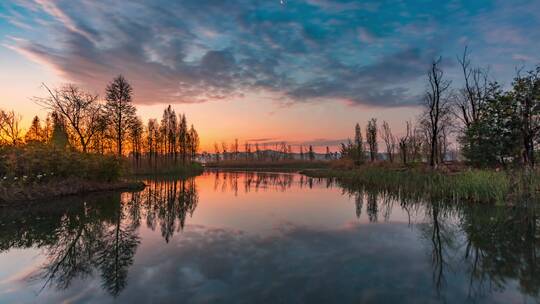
[298,71]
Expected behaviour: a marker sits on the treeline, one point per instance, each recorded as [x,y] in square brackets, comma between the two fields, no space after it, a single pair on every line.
[264,152]
[83,123]
[494,127]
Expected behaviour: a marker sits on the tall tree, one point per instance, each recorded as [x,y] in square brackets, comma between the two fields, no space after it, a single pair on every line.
[59,137]
[389,140]
[371,138]
[136,134]
[526,94]
[311,153]
[35,132]
[193,142]
[358,154]
[119,109]
[472,97]
[436,109]
[405,143]
[183,138]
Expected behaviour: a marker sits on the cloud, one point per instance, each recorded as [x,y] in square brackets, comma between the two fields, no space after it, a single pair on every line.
[371,53]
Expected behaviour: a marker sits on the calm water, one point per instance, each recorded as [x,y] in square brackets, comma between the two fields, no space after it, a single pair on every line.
[266,238]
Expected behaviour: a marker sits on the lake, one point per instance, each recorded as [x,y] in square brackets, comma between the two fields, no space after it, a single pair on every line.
[255,237]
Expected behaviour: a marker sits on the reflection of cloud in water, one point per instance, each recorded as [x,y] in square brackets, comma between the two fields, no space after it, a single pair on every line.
[294,265]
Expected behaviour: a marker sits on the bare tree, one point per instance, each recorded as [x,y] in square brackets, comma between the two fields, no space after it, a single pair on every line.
[436,104]
[81,111]
[389,141]
[10,131]
[404,144]
[472,97]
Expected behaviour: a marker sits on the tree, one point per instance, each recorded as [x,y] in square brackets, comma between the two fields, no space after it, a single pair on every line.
[389,141]
[526,95]
[404,144]
[169,132]
[35,132]
[135,134]
[216,149]
[328,155]
[436,109]
[358,149]
[470,102]
[183,137]
[10,131]
[311,154]
[152,134]
[81,111]
[193,142]
[119,109]
[371,138]
[59,137]
[235,148]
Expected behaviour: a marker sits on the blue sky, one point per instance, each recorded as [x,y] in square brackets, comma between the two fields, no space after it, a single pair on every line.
[369,53]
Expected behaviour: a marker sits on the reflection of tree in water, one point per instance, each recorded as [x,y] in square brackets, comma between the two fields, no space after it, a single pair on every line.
[168,202]
[98,234]
[502,244]
[86,237]
[260,181]
[119,241]
[491,245]
[359,202]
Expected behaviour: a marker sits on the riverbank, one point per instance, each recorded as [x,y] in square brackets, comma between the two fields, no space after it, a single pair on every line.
[20,192]
[471,185]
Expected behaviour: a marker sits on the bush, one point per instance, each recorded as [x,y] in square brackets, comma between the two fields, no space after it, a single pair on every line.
[37,162]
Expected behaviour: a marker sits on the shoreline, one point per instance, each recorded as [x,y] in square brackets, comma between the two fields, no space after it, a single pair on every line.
[474,186]
[14,194]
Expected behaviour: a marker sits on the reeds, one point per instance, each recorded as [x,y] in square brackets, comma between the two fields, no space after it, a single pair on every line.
[481,186]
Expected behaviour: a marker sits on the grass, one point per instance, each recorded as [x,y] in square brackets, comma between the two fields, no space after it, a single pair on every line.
[481,186]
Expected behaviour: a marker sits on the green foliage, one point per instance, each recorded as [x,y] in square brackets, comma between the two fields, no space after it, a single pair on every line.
[38,162]
[476,185]
[508,124]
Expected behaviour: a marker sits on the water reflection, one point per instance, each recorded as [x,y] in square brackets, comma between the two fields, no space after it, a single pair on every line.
[465,252]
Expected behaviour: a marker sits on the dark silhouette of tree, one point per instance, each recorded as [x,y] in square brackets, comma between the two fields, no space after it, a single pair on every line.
[311,153]
[10,131]
[436,113]
[194,142]
[136,134]
[184,138]
[526,94]
[59,137]
[80,110]
[358,155]
[371,138]
[35,133]
[389,141]
[405,144]
[119,110]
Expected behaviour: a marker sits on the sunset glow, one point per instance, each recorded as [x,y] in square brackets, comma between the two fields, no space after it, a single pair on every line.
[295,71]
